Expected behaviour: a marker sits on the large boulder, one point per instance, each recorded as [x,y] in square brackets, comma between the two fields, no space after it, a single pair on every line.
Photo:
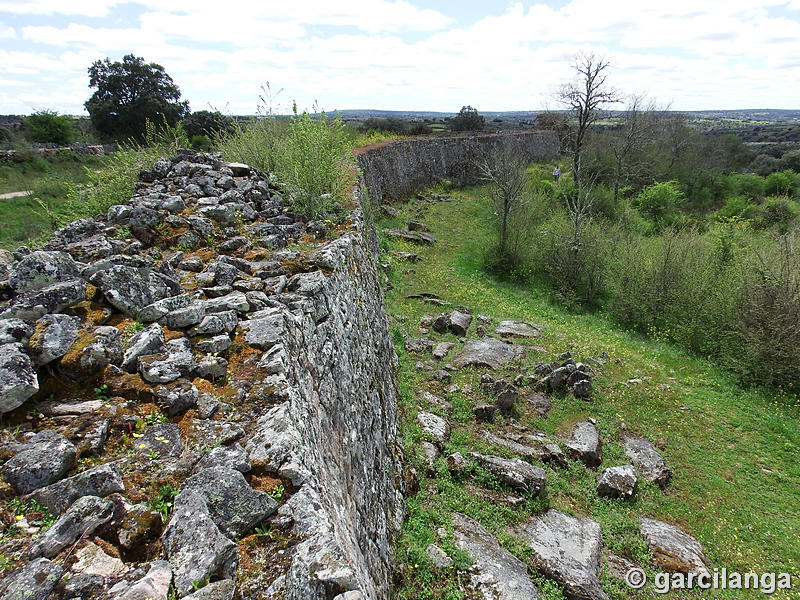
[435,426]
[514,472]
[647,460]
[495,574]
[34,581]
[177,361]
[131,289]
[149,340]
[98,481]
[617,482]
[567,549]
[52,337]
[488,352]
[46,459]
[18,380]
[195,547]
[40,269]
[673,549]
[51,299]
[82,518]
[232,504]
[585,445]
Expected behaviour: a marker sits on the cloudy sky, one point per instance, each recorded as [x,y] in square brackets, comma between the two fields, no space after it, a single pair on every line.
[405,54]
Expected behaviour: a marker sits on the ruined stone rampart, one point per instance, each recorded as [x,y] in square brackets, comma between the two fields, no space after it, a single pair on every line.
[200,386]
[399,169]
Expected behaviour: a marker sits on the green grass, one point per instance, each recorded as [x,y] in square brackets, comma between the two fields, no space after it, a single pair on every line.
[733,450]
[24,219]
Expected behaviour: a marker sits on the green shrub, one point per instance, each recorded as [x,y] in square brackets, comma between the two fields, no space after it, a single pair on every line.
[740,207]
[49,127]
[768,311]
[782,183]
[778,212]
[201,143]
[316,167]
[576,272]
[746,184]
[659,202]
[113,183]
[207,123]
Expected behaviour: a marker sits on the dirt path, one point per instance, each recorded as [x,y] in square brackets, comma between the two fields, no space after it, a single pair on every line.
[15,195]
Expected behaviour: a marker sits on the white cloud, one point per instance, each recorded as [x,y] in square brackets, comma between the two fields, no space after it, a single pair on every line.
[7,32]
[712,54]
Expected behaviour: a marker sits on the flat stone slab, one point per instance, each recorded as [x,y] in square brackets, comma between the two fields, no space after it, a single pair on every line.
[647,460]
[514,472]
[488,352]
[495,574]
[417,237]
[518,329]
[674,549]
[567,549]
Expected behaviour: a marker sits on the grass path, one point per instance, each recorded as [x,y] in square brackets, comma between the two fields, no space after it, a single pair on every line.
[734,451]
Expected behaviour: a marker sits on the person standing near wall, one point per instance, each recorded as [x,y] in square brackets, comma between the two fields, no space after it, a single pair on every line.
[556,173]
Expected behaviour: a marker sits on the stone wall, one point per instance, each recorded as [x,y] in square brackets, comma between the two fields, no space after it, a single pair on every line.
[398,169]
[201,338]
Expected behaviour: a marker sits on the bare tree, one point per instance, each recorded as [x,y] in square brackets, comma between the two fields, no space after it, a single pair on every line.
[505,170]
[584,98]
[641,122]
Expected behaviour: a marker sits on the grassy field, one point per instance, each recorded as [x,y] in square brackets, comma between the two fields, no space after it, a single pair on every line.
[23,220]
[734,451]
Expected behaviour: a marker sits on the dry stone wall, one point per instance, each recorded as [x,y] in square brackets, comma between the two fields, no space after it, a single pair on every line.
[399,169]
[199,387]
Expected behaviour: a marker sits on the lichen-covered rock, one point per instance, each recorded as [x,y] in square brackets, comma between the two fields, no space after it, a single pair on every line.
[487,352]
[231,457]
[18,380]
[52,337]
[162,308]
[519,329]
[217,590]
[647,460]
[177,361]
[435,426]
[211,367]
[98,481]
[82,518]
[567,549]
[54,298]
[46,459]
[34,581]
[221,322]
[40,269]
[131,289]
[265,331]
[496,574]
[14,330]
[176,397]
[195,547]
[153,586]
[585,445]
[514,472]
[160,441]
[458,323]
[617,482]
[139,526]
[673,549]
[149,340]
[232,504]
[93,351]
